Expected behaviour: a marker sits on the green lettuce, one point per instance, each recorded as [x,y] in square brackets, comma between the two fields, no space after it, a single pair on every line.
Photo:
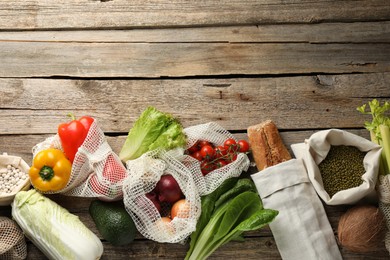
[152,130]
[56,232]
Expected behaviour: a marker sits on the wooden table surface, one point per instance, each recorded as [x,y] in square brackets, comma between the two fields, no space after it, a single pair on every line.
[306,65]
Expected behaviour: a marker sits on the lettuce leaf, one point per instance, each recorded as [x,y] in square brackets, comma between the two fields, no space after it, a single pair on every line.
[152,130]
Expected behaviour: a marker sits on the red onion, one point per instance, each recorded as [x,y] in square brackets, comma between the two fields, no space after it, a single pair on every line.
[169,190]
[153,197]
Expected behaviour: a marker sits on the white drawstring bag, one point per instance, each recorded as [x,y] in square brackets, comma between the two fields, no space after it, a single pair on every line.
[314,150]
[96,170]
[301,229]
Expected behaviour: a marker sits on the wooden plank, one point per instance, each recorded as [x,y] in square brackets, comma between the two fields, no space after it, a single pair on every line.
[41,14]
[39,105]
[358,32]
[42,59]
[21,145]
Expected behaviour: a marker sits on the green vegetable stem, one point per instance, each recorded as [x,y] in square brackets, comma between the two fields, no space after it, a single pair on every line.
[379,129]
[237,212]
[152,130]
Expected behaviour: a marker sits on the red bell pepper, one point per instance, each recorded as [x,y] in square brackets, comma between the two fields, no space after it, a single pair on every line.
[73,134]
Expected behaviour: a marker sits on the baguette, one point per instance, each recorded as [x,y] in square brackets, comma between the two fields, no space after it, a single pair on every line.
[267,146]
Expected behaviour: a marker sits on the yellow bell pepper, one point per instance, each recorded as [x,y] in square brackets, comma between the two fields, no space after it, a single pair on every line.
[50,170]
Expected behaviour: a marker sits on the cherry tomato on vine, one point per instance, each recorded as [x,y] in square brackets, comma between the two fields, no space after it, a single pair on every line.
[232,157]
[220,163]
[203,143]
[229,142]
[207,152]
[243,146]
[197,155]
[220,151]
[194,148]
[206,167]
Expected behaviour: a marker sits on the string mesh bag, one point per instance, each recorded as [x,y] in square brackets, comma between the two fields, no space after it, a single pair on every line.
[96,170]
[143,175]
[12,242]
[217,135]
[383,190]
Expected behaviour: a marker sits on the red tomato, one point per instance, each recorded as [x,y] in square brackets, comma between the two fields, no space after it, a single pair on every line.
[197,155]
[203,143]
[206,167]
[220,163]
[232,157]
[207,152]
[220,151]
[243,146]
[230,142]
[194,148]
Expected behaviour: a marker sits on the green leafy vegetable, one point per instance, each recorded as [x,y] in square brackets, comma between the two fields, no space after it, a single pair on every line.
[237,212]
[56,232]
[152,130]
[379,129]
[208,204]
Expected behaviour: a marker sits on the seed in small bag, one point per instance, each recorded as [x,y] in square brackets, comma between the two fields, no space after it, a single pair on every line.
[10,180]
[342,168]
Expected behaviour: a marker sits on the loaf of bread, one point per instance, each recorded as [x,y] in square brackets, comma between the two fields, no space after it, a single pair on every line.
[267,146]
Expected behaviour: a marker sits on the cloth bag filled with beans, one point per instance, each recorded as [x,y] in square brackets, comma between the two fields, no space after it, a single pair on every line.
[343,167]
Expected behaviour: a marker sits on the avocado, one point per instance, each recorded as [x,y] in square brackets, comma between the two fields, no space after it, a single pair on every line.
[113,222]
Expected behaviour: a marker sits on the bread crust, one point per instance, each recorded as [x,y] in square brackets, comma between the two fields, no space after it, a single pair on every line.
[267,146]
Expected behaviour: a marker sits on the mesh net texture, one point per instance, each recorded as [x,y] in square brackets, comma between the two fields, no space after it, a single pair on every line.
[146,171]
[383,189]
[96,170]
[12,242]
[215,134]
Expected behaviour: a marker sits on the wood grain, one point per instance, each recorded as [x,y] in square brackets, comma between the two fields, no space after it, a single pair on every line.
[357,32]
[62,14]
[39,105]
[42,59]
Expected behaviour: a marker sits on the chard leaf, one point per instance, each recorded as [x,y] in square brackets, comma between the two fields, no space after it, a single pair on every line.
[242,185]
[256,221]
[208,202]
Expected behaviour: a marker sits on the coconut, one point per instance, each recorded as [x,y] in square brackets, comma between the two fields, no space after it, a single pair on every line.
[362,229]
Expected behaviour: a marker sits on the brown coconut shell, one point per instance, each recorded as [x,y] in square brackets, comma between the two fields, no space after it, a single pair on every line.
[362,229]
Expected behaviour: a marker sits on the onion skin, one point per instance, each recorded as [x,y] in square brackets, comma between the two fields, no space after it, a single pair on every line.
[169,190]
[362,229]
[153,197]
